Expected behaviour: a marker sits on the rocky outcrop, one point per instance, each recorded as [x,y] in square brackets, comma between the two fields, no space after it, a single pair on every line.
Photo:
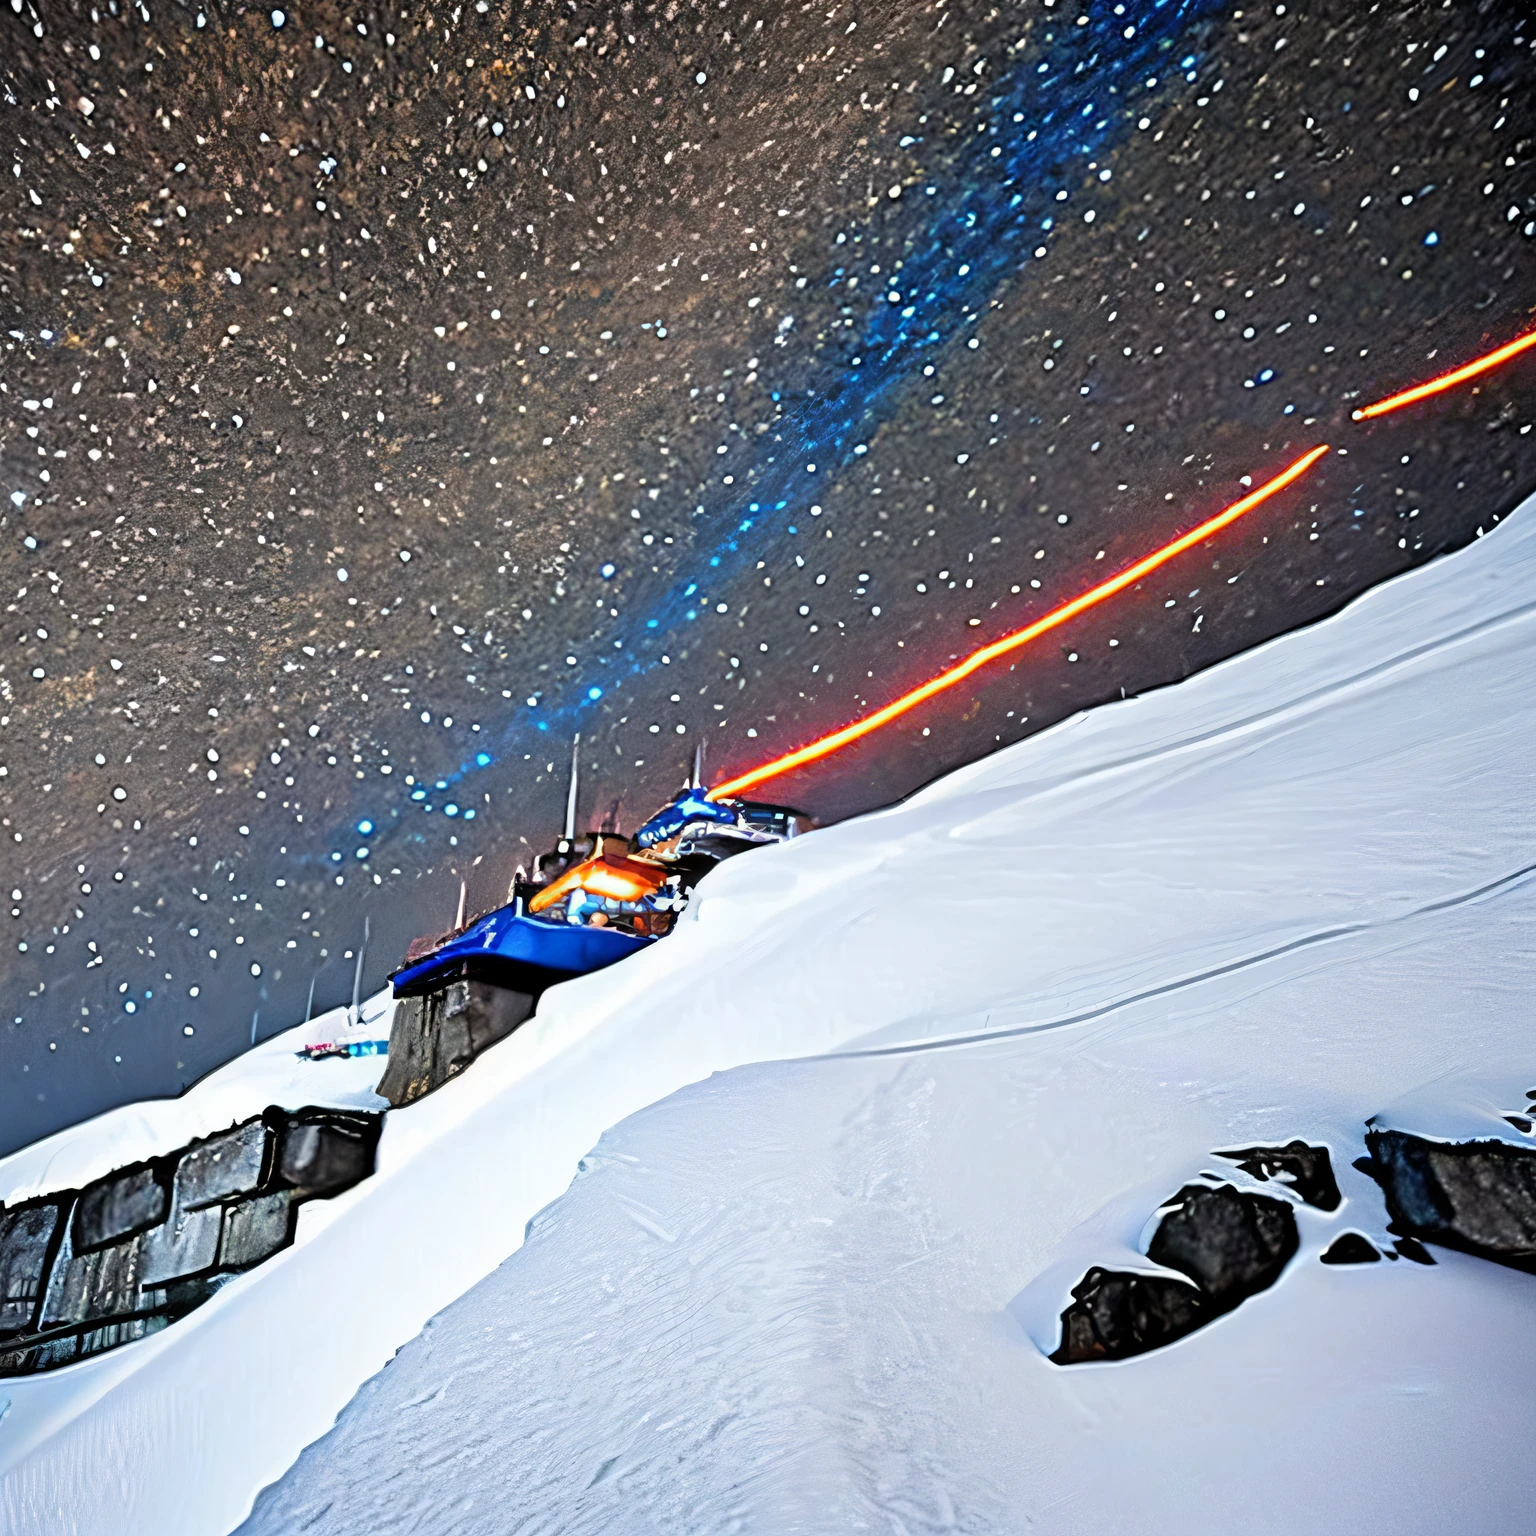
[1304,1168]
[1231,1243]
[1478,1196]
[435,1036]
[87,1270]
[1114,1315]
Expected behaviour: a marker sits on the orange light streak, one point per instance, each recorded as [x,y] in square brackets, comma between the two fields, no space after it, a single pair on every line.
[1448,380]
[978,659]
[622,879]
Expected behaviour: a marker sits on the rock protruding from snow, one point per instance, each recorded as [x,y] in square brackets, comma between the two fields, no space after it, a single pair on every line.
[1479,1196]
[1305,1169]
[1351,1248]
[435,1036]
[1231,1243]
[1115,1315]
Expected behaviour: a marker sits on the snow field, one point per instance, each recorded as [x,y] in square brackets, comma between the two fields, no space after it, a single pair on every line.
[1265,903]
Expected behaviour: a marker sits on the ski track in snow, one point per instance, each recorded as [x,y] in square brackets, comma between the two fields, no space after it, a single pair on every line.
[1184,983]
[810,1293]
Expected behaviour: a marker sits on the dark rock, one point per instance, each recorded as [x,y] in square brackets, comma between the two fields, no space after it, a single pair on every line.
[1232,1244]
[1351,1248]
[434,1037]
[256,1229]
[27,1240]
[1479,1196]
[132,1200]
[1305,1168]
[1520,1123]
[323,1151]
[1115,1315]
[1412,1248]
[221,1167]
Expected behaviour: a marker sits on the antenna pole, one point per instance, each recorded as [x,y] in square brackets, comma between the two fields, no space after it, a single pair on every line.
[570,796]
[357,974]
[458,917]
[698,766]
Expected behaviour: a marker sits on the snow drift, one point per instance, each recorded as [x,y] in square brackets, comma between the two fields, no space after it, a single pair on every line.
[1270,902]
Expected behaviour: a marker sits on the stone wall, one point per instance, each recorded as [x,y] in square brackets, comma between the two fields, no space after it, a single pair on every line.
[85,1270]
[435,1036]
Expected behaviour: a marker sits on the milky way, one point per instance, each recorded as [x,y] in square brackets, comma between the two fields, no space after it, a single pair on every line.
[389,394]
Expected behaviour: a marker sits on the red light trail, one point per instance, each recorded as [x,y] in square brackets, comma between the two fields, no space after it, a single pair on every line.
[978,659]
[1448,380]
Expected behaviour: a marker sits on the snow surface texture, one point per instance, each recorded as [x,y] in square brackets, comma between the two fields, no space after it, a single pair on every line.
[811,1294]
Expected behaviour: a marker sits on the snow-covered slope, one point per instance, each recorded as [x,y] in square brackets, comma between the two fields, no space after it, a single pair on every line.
[270,1073]
[1268,902]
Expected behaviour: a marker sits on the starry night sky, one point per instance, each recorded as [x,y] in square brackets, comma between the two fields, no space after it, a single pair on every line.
[389,394]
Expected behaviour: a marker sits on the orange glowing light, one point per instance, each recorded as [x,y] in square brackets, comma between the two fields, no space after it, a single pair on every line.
[979,659]
[623,879]
[1449,380]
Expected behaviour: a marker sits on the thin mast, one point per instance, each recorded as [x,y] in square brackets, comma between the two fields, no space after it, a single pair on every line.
[570,796]
[357,976]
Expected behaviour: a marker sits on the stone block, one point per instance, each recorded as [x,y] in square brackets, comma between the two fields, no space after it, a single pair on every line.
[322,1152]
[99,1284]
[129,1201]
[222,1167]
[256,1229]
[27,1241]
[186,1243]
[435,1036]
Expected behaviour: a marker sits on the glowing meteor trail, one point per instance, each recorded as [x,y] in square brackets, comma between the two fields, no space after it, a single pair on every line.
[1448,380]
[979,659]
